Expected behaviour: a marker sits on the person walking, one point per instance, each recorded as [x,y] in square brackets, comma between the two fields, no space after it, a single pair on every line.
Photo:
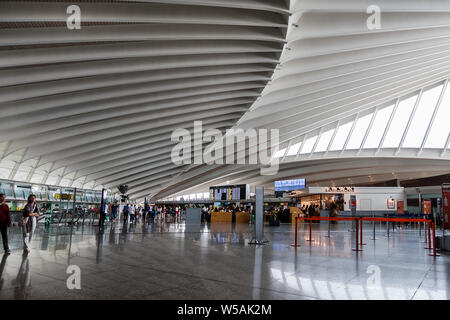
[30,213]
[132,211]
[126,210]
[114,211]
[5,222]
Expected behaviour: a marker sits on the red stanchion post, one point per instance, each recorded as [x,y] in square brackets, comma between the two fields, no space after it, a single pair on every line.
[434,254]
[428,239]
[357,236]
[295,244]
[310,230]
[361,242]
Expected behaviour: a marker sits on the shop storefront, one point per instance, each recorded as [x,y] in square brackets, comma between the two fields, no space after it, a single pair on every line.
[369,200]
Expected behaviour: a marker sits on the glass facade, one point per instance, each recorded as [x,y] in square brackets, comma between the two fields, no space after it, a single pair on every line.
[413,122]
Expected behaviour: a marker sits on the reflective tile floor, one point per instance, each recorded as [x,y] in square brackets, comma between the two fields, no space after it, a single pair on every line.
[174,261]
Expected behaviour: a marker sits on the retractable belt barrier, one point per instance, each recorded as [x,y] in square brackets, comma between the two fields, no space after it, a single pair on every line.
[431,241]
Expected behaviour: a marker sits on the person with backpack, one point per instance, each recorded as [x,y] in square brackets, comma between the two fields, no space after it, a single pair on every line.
[30,213]
[126,211]
[5,222]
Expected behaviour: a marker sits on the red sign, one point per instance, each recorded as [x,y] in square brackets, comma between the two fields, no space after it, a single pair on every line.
[426,206]
[446,205]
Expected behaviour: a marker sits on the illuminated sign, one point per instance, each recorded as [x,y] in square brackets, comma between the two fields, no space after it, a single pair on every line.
[236,192]
[446,205]
[390,203]
[339,189]
[427,206]
[64,196]
[290,185]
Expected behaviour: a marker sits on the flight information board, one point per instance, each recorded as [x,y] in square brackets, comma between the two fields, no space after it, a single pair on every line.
[224,193]
[290,185]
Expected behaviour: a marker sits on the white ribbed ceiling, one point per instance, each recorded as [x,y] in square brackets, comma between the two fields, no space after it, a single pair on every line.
[96,107]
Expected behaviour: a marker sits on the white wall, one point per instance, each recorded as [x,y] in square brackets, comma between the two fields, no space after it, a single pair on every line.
[370,198]
[376,198]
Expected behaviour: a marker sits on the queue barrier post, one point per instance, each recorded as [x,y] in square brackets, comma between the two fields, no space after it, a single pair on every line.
[310,230]
[361,242]
[357,236]
[387,226]
[295,244]
[434,254]
[428,239]
[329,227]
[373,226]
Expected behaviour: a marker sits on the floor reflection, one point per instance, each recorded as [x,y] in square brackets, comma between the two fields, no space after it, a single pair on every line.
[2,267]
[216,260]
[23,280]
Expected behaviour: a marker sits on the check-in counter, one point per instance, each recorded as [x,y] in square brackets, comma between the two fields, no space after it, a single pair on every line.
[221,216]
[241,217]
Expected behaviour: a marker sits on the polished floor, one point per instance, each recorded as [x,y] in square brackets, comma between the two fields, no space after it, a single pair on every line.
[174,261]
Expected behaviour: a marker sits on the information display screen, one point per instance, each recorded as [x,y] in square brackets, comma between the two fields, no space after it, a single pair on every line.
[290,185]
[224,193]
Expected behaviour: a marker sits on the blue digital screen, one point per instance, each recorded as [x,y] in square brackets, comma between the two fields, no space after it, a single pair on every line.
[290,185]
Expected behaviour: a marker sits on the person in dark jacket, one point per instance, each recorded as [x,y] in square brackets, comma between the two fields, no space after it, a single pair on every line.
[311,211]
[5,222]
[126,211]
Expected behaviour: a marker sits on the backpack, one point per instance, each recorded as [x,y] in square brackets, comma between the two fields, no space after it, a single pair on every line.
[125,209]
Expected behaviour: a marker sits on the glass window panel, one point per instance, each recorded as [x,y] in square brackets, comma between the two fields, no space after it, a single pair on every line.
[309,144]
[359,132]
[293,150]
[279,153]
[441,128]
[378,127]
[4,173]
[21,175]
[341,136]
[51,180]
[324,141]
[422,118]
[399,122]
[65,182]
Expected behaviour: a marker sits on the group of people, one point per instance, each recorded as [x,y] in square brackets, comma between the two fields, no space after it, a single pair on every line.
[312,210]
[132,213]
[27,220]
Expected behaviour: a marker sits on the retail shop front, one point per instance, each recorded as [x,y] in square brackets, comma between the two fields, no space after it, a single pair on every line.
[370,201]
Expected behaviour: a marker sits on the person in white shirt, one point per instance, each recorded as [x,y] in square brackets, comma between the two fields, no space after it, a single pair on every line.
[132,212]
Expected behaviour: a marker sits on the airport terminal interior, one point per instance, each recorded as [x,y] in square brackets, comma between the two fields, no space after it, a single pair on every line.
[225,149]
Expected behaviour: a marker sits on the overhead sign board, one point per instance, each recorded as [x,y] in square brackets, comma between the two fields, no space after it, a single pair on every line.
[339,189]
[290,185]
[231,192]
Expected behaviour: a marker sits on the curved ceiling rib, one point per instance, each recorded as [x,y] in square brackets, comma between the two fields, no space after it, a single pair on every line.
[336,73]
[95,107]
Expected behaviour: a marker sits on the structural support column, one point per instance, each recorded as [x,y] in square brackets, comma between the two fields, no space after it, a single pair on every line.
[259,216]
